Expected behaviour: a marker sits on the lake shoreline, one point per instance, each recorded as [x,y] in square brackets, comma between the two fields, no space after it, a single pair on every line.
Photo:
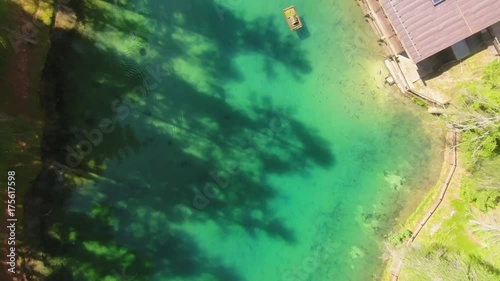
[412,219]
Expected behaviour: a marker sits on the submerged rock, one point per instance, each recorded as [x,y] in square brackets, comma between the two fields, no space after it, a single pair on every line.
[395,181]
[356,252]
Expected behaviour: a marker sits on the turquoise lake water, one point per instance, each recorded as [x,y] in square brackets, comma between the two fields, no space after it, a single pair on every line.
[239,150]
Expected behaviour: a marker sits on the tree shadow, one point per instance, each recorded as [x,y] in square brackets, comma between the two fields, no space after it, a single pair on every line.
[178,154]
[303,33]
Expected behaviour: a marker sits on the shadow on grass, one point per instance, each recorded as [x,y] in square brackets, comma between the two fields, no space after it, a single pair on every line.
[303,33]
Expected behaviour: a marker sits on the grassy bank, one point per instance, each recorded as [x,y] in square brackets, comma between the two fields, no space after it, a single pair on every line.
[456,244]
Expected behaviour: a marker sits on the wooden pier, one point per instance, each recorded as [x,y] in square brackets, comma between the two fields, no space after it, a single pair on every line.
[429,101]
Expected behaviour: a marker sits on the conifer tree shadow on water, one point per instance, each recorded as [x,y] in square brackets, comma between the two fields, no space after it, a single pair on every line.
[178,154]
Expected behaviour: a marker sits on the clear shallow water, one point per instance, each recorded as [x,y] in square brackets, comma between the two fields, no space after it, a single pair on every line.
[254,154]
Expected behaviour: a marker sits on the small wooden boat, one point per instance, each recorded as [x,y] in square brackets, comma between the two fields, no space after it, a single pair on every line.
[292,18]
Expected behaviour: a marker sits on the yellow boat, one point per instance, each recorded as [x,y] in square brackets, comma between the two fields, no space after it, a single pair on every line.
[292,18]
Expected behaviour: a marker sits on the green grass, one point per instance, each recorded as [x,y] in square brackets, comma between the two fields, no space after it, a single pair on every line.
[423,207]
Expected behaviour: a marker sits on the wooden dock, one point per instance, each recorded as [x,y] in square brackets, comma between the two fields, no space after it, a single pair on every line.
[402,69]
[292,18]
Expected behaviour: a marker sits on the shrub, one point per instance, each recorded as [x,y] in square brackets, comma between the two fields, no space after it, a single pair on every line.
[400,237]
[419,102]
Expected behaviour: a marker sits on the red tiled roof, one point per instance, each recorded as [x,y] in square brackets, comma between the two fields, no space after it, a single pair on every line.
[425,29]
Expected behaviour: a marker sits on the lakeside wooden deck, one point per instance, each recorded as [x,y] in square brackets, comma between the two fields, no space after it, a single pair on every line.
[403,71]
